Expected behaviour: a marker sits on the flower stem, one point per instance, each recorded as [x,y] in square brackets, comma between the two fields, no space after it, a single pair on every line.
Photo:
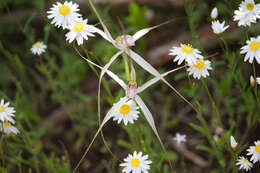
[255,87]
[214,107]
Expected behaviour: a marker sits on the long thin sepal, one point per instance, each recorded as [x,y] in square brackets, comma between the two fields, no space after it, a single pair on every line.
[149,118]
[110,73]
[106,118]
[144,31]
[155,79]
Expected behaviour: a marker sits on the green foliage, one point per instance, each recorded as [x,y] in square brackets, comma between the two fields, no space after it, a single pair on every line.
[55,98]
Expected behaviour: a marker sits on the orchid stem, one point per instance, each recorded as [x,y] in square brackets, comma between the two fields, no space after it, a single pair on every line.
[127,73]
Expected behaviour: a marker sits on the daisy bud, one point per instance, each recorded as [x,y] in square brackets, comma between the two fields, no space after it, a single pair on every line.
[214,13]
[258,80]
[233,142]
[216,138]
[252,81]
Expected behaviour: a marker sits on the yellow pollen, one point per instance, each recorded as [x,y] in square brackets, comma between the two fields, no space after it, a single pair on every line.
[78,27]
[250,6]
[2,108]
[37,45]
[200,64]
[257,148]
[124,109]
[119,38]
[64,10]
[245,160]
[135,162]
[6,123]
[187,48]
[254,45]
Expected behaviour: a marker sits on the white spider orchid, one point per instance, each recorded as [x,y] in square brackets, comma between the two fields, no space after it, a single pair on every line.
[131,91]
[123,43]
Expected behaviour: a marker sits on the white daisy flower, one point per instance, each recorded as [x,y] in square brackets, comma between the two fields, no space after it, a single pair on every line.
[6,113]
[217,27]
[252,81]
[247,13]
[8,128]
[243,163]
[79,31]
[200,68]
[38,48]
[252,50]
[214,13]
[233,142]
[258,80]
[180,138]
[255,152]
[126,110]
[64,14]
[136,163]
[185,52]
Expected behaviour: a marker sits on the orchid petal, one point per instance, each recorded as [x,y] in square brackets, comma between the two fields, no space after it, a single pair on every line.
[141,33]
[144,31]
[149,117]
[104,70]
[110,73]
[102,23]
[144,64]
[103,34]
[156,79]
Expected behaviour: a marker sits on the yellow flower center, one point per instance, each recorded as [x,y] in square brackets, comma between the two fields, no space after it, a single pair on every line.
[257,148]
[187,48]
[37,45]
[200,64]
[245,160]
[135,162]
[250,6]
[254,45]
[124,109]
[64,10]
[78,27]
[6,123]
[2,108]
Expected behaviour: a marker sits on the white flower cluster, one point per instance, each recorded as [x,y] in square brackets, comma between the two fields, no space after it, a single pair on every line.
[6,118]
[247,13]
[254,152]
[198,67]
[66,16]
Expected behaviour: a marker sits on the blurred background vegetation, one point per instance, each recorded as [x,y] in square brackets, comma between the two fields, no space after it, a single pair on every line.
[55,95]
